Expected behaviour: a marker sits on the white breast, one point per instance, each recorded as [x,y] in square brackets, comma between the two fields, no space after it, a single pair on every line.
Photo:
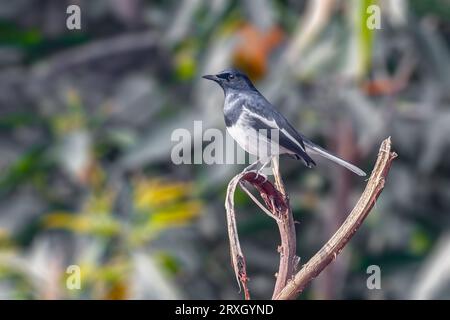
[253,142]
[241,137]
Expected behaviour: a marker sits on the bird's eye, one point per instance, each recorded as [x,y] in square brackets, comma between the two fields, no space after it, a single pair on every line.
[231,77]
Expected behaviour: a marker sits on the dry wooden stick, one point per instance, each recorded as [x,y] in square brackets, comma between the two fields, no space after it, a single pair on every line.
[277,208]
[338,241]
[237,257]
[286,226]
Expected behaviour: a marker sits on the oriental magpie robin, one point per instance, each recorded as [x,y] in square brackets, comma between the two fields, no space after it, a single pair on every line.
[247,113]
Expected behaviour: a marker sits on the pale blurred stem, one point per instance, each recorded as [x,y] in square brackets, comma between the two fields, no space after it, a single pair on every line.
[341,137]
[343,235]
[286,227]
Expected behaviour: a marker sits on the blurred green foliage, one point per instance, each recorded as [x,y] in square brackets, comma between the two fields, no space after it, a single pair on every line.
[69,125]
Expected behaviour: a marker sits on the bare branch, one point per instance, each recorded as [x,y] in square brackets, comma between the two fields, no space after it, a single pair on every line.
[95,51]
[286,227]
[338,241]
[277,207]
[237,257]
[276,204]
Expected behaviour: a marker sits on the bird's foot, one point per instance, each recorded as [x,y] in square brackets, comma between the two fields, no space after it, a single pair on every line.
[250,167]
[259,173]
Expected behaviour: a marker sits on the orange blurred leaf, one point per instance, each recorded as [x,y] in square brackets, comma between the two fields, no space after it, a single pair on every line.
[254,48]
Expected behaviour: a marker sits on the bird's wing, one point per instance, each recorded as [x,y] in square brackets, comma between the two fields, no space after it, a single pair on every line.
[290,138]
[267,118]
[262,115]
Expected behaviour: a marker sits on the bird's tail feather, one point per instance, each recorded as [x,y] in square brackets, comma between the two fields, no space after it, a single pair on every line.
[324,153]
[307,160]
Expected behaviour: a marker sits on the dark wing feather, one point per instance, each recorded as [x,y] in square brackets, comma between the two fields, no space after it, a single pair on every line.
[259,105]
[261,110]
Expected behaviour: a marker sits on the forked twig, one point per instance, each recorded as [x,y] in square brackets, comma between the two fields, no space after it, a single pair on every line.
[286,226]
[277,203]
[337,242]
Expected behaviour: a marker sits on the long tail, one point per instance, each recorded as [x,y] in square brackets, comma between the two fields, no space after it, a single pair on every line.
[324,153]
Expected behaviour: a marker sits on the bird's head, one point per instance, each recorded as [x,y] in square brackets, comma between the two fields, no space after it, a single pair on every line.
[232,79]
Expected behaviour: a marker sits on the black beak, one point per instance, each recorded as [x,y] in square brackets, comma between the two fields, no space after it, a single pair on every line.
[211,77]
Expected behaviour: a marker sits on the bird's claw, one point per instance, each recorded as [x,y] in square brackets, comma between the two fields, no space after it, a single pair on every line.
[258,173]
[265,180]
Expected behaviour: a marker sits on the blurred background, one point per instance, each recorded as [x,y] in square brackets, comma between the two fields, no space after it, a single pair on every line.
[86,118]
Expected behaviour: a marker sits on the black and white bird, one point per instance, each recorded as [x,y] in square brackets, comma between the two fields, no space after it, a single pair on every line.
[247,113]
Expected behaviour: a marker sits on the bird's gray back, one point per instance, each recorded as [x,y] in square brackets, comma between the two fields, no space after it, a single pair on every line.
[254,102]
